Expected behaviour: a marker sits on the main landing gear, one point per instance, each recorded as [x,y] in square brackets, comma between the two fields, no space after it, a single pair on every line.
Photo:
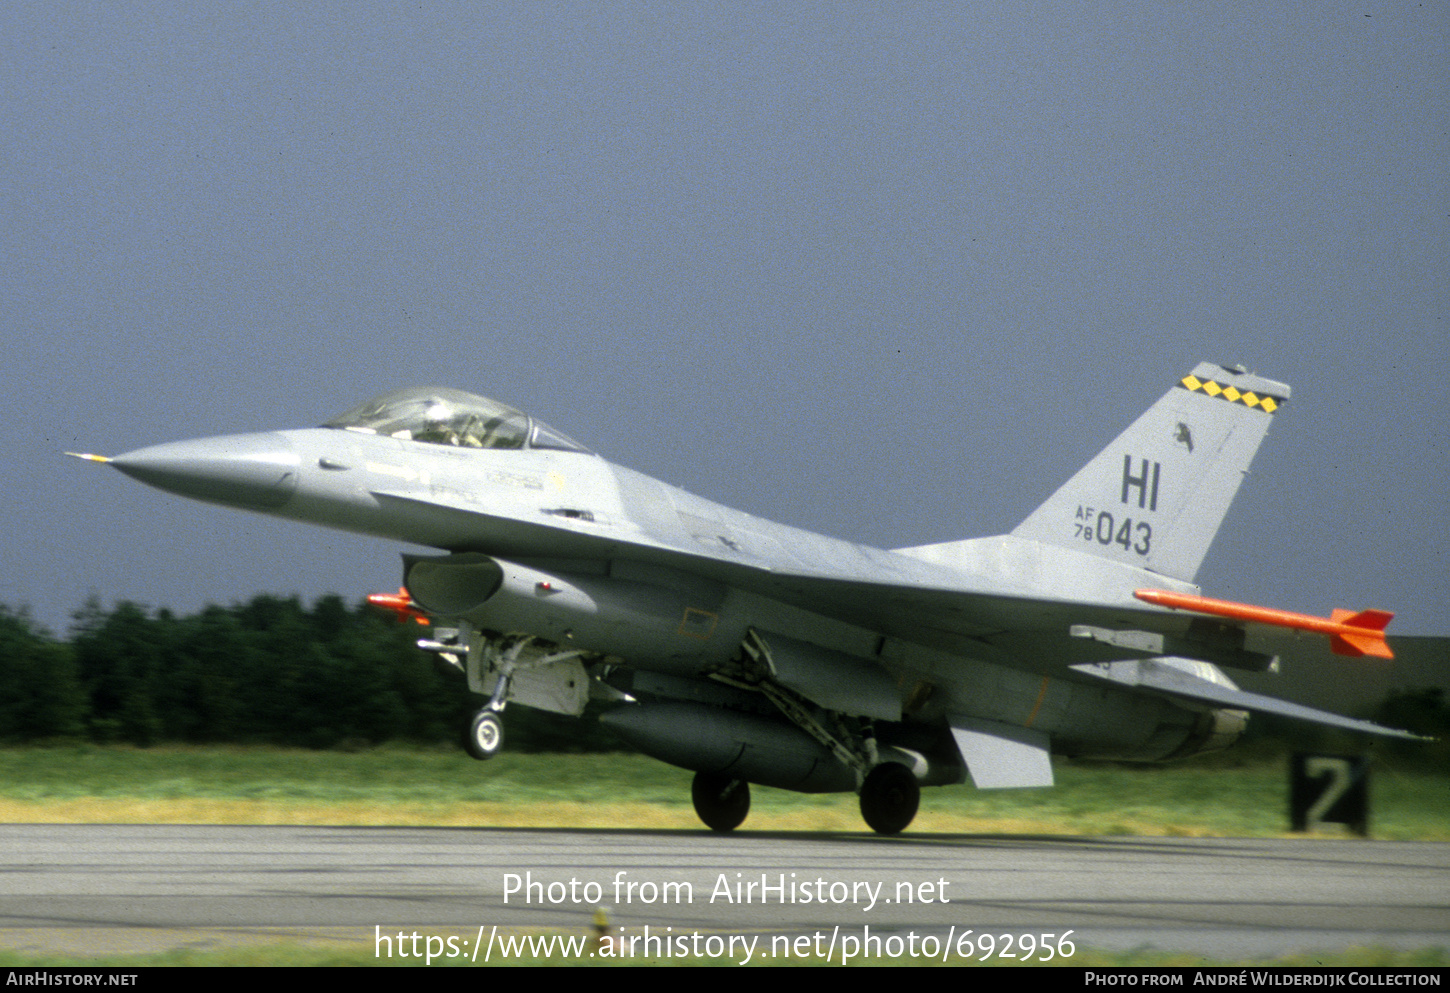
[890,797]
[721,802]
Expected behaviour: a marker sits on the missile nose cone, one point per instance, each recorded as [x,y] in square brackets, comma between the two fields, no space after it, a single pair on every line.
[255,471]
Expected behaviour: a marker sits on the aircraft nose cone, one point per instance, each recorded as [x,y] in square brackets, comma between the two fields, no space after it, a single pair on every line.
[257,471]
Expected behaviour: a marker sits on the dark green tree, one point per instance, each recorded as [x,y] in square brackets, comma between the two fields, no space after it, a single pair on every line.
[122,661]
[40,691]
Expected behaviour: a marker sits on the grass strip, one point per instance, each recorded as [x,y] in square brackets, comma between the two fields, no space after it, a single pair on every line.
[417,787]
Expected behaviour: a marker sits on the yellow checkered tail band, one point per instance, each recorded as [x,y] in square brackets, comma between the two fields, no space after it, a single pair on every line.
[1224,391]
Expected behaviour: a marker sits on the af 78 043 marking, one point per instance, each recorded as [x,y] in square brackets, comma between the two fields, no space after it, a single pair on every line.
[1100,526]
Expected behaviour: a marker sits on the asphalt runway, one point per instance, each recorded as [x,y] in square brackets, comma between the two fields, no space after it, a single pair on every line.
[108,888]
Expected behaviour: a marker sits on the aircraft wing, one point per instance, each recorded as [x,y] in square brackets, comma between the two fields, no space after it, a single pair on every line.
[1049,635]
[1066,639]
[987,616]
[898,595]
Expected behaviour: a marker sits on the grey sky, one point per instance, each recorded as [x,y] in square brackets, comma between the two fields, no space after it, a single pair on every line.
[891,272]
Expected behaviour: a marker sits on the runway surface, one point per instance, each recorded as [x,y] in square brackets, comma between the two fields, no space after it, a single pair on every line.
[104,888]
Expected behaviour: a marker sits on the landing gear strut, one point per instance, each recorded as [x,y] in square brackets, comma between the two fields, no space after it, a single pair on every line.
[721,802]
[889,798]
[484,739]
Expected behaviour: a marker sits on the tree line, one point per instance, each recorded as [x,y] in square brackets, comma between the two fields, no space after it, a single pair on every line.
[268,671]
[271,671]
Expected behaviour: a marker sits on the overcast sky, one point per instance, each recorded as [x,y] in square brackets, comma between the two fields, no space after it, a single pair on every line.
[886,271]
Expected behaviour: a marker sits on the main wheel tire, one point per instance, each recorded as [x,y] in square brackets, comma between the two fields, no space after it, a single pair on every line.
[889,798]
[721,802]
[485,735]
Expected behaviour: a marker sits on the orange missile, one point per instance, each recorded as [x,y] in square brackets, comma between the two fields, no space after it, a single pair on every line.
[1350,633]
[399,603]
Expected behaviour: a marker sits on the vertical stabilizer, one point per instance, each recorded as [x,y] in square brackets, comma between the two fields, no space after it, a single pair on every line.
[1157,495]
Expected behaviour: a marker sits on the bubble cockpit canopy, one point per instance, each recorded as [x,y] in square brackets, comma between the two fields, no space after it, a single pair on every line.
[441,416]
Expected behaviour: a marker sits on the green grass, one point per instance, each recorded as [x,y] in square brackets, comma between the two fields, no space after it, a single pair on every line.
[1239,798]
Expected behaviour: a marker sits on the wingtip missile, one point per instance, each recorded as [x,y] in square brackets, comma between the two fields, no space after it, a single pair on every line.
[399,603]
[1350,633]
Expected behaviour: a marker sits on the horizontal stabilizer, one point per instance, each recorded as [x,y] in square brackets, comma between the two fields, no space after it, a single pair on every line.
[1166,676]
[1001,756]
[1350,633]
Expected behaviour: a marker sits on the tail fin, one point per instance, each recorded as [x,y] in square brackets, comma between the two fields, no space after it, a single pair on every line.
[1157,495]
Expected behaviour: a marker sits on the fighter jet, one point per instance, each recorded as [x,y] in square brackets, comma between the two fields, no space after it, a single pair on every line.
[752,652]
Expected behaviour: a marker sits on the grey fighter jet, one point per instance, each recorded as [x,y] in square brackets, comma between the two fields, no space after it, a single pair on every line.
[752,652]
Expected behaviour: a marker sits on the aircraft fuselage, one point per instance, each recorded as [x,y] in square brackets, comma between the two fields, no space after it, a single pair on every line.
[751,651]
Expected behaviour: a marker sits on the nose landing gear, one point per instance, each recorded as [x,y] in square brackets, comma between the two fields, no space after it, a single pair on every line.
[484,739]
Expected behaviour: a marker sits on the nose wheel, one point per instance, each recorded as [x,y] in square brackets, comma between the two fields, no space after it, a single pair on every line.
[889,798]
[484,739]
[721,802]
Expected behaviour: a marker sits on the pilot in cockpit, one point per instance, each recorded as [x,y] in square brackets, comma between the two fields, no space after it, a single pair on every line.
[437,426]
